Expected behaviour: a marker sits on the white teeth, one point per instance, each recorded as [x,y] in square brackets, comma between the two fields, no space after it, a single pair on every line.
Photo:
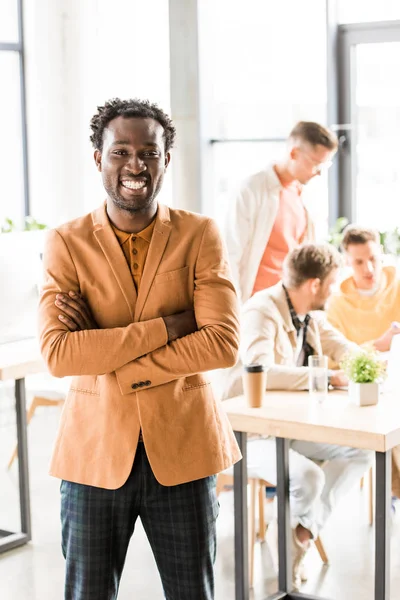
[134,185]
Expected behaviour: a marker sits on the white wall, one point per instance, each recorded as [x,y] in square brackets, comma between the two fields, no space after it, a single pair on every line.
[80,53]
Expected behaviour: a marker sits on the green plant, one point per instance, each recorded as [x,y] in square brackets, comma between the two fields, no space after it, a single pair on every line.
[30,224]
[390,241]
[335,233]
[8,226]
[363,366]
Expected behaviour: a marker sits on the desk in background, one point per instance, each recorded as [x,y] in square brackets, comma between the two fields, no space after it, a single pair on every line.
[293,415]
[17,360]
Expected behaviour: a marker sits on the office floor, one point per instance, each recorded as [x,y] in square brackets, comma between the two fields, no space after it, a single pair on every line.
[36,571]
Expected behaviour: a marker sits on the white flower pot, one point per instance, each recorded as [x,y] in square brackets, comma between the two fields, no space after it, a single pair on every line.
[364,394]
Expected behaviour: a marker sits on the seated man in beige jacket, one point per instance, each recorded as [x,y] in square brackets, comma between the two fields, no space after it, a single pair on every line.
[280,330]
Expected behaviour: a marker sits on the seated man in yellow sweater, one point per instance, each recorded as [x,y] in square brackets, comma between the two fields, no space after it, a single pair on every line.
[367,306]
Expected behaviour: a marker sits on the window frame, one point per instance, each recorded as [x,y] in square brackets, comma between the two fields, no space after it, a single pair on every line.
[19,48]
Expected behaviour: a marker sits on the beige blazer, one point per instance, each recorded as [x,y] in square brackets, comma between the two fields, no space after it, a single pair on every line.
[268,336]
[127,376]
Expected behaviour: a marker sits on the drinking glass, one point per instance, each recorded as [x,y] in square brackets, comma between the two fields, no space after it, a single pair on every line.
[318,377]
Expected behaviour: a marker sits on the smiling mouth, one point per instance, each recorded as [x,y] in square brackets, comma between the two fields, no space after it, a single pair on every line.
[134,184]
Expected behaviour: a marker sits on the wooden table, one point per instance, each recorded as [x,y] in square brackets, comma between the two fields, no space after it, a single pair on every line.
[293,415]
[17,360]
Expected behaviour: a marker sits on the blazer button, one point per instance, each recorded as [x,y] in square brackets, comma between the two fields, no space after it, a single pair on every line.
[141,383]
[147,382]
[134,386]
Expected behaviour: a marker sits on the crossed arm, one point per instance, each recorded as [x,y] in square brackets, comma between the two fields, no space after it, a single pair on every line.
[160,349]
[77,316]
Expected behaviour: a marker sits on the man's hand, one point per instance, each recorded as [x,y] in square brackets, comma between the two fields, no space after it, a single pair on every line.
[180,324]
[383,343]
[339,379]
[76,313]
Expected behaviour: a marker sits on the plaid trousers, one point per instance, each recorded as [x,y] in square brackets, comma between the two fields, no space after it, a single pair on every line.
[179,521]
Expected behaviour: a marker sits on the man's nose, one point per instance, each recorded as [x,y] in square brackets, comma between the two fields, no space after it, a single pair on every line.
[136,165]
[370,267]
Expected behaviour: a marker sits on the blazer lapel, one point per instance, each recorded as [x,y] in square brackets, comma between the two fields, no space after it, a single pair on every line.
[313,337]
[161,232]
[279,297]
[105,236]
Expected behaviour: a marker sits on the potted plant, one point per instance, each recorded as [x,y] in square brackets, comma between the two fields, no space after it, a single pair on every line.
[365,370]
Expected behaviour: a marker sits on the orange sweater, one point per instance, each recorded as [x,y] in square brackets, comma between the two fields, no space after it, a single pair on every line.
[288,232]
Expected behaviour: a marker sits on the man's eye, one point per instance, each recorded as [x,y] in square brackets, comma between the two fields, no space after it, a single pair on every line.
[150,154]
[119,152]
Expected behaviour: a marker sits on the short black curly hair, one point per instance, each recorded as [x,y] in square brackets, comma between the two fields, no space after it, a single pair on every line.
[129,108]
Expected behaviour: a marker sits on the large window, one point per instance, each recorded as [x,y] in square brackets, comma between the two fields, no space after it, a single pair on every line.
[359,11]
[14,200]
[268,71]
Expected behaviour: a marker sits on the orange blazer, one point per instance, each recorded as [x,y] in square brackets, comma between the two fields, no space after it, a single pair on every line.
[126,374]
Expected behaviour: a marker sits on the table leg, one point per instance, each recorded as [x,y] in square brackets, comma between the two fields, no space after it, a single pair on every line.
[8,539]
[241,522]
[284,528]
[383,494]
[23,463]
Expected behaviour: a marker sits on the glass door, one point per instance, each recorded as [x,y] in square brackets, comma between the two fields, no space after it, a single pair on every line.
[369,111]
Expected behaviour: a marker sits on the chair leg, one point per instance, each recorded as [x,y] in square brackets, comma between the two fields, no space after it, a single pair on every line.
[252,528]
[261,513]
[321,550]
[371,496]
[13,457]
[29,415]
[36,401]
[222,482]
[362,483]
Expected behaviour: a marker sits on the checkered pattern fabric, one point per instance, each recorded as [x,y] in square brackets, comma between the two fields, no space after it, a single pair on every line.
[298,325]
[180,523]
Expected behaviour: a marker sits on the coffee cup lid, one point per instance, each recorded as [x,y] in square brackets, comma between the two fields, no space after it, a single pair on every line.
[254,368]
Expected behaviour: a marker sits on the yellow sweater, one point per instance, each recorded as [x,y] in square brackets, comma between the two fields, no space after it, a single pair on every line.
[365,318]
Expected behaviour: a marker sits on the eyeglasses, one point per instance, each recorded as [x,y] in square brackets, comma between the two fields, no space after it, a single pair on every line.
[317,167]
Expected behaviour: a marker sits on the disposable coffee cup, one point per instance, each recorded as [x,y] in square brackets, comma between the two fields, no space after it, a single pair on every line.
[254,384]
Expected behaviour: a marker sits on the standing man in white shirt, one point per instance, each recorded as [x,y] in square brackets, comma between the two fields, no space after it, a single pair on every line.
[267,218]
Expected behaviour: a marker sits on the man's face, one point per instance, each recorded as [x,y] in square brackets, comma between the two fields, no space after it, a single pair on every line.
[132,162]
[321,291]
[307,161]
[366,263]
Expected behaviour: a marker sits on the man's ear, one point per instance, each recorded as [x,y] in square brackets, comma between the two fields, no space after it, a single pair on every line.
[294,152]
[315,285]
[97,159]
[167,160]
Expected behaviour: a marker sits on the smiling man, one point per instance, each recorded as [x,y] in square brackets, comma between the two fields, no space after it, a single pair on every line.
[367,306]
[137,304]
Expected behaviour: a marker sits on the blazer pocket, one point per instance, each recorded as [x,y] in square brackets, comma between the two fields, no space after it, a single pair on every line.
[194,382]
[172,276]
[172,291]
[197,386]
[85,384]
